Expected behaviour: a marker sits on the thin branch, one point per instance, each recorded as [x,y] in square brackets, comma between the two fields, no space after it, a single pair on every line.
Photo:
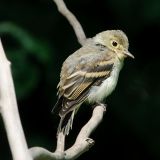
[82,144]
[39,153]
[9,111]
[60,145]
[72,20]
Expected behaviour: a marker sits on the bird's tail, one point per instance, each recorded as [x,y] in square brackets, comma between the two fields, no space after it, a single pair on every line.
[66,122]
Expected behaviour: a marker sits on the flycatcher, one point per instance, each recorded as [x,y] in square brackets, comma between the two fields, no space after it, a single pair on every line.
[90,74]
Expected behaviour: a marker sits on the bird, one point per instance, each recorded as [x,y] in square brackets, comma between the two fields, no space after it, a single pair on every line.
[90,74]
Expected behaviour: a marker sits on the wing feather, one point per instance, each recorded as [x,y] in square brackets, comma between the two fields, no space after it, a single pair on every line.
[77,86]
[77,77]
[80,74]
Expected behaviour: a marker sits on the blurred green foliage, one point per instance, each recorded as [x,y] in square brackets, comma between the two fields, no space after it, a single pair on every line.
[37,39]
[24,51]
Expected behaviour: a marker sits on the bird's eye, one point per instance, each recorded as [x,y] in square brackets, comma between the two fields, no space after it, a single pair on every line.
[114,44]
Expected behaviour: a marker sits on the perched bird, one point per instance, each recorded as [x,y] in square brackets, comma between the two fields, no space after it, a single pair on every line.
[90,74]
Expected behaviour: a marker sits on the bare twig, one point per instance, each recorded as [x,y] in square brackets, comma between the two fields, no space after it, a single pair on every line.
[10,114]
[83,142]
[60,145]
[72,20]
[39,153]
[9,111]
[81,145]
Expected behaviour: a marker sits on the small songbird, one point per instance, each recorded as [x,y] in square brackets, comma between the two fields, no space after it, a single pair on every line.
[90,74]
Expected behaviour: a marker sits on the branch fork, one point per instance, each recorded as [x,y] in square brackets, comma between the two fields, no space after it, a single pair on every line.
[11,118]
[82,144]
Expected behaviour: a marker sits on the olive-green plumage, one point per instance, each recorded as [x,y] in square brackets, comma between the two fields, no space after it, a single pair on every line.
[90,74]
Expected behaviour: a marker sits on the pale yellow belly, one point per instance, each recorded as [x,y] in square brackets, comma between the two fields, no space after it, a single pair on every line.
[98,93]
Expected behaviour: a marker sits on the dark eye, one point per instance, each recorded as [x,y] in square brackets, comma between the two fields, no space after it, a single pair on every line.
[114,43]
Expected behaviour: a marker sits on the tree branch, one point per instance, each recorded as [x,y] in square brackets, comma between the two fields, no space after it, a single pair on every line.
[82,144]
[9,111]
[60,145]
[11,119]
[72,20]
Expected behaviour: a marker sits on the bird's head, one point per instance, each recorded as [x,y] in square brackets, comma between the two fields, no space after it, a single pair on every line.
[115,40]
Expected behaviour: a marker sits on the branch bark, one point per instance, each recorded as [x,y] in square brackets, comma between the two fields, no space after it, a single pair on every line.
[82,144]
[72,20]
[9,111]
[11,118]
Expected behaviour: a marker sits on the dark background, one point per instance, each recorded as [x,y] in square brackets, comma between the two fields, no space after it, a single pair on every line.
[37,39]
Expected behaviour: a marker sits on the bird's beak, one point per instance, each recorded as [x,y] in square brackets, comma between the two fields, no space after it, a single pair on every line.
[128,54]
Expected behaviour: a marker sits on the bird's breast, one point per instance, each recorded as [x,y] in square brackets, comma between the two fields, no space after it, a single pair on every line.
[98,93]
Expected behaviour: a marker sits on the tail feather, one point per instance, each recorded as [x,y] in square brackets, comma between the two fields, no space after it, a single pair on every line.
[57,107]
[66,123]
[67,112]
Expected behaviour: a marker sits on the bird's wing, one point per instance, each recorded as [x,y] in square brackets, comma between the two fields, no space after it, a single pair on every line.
[76,86]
